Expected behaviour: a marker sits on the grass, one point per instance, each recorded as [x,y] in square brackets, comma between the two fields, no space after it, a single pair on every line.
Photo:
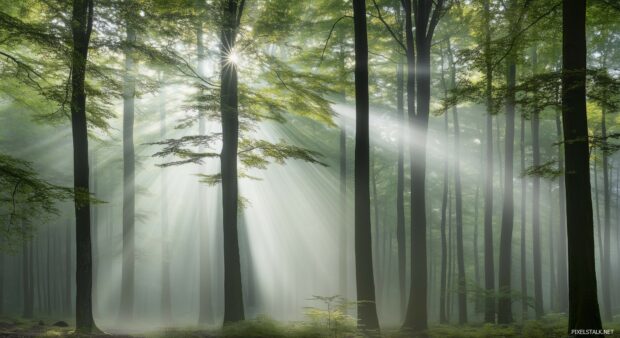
[550,326]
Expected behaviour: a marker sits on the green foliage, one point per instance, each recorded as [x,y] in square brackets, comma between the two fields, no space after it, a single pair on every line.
[546,170]
[333,319]
[24,198]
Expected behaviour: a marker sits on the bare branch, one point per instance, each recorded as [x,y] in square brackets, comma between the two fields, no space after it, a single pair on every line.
[387,26]
[331,31]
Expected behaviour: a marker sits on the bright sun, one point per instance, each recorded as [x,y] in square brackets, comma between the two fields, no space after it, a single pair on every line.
[234,57]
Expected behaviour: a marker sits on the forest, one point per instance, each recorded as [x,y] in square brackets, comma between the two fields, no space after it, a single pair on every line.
[322,168]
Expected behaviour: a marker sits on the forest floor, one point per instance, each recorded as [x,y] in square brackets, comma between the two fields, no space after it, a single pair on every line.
[551,326]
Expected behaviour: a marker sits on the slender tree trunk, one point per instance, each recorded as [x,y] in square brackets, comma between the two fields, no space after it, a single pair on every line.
[552,283]
[458,196]
[344,233]
[81,27]
[477,304]
[344,225]
[28,279]
[375,204]
[416,318]
[229,105]
[129,189]
[606,261]
[562,278]
[366,308]
[450,291]
[489,265]
[599,228]
[538,291]
[524,306]
[504,307]
[400,188]
[48,275]
[203,259]
[166,299]
[443,318]
[68,273]
[583,310]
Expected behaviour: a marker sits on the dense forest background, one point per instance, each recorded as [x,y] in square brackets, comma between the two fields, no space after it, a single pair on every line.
[309,168]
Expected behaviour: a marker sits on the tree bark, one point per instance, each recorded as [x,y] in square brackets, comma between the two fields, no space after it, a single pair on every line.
[489,265]
[583,310]
[427,14]
[27,279]
[229,105]
[400,187]
[538,291]
[204,309]
[67,277]
[166,299]
[81,27]
[606,262]
[458,201]
[524,306]
[129,189]
[562,277]
[366,307]
[504,306]
[443,318]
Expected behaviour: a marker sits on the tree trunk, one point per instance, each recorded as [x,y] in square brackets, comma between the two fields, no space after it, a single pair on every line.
[583,310]
[344,233]
[366,308]
[504,306]
[166,299]
[129,189]
[375,205]
[344,225]
[524,306]
[489,265]
[68,273]
[48,274]
[599,229]
[458,196]
[538,291]
[28,279]
[443,318]
[203,259]
[400,188]
[552,284]
[81,27]
[229,105]
[606,261]
[562,277]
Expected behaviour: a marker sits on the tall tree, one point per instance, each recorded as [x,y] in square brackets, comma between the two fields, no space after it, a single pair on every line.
[562,277]
[536,251]
[129,185]
[443,317]
[583,310]
[232,11]
[489,265]
[606,262]
[366,308]
[504,304]
[27,279]
[203,259]
[458,199]
[166,299]
[524,302]
[400,171]
[427,15]
[81,28]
